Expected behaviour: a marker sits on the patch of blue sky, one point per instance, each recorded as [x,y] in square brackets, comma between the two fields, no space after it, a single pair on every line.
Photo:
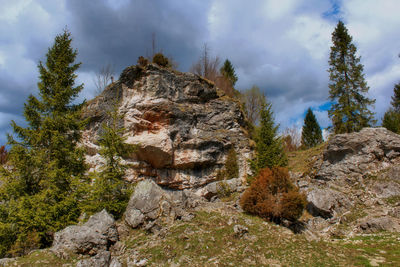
[334,12]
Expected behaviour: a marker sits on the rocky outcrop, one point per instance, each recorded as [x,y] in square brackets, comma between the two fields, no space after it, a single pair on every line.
[350,156]
[356,182]
[91,238]
[182,124]
[386,223]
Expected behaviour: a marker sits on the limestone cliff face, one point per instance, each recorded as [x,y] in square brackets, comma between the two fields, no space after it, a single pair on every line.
[183,125]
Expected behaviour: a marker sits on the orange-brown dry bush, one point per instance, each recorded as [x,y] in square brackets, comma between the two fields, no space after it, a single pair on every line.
[273,196]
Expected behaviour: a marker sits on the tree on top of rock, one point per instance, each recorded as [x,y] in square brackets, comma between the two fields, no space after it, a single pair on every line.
[228,71]
[349,111]
[311,134]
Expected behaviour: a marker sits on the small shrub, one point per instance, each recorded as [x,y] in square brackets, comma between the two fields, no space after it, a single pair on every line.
[142,61]
[273,196]
[161,60]
[231,168]
[231,165]
[223,190]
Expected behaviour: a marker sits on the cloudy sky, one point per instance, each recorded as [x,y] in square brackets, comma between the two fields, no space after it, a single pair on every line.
[280,45]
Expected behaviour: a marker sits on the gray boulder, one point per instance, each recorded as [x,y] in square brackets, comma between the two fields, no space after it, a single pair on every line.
[150,202]
[326,203]
[386,189]
[95,236]
[219,187]
[372,225]
[101,259]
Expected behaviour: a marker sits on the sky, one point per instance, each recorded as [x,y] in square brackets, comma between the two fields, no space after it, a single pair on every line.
[282,46]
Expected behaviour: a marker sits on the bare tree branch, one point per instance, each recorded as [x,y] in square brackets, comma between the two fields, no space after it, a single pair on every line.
[103,78]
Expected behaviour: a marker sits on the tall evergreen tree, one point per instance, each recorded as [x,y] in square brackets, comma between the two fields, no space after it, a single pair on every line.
[349,111]
[391,119]
[396,98]
[228,71]
[38,193]
[311,134]
[269,147]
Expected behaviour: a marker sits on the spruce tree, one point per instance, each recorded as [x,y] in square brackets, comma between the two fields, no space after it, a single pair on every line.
[228,71]
[269,146]
[109,189]
[396,98]
[39,190]
[311,134]
[391,119]
[349,111]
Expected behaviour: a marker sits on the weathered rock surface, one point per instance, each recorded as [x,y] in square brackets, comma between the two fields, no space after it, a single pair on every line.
[386,223]
[355,182]
[95,236]
[327,202]
[221,187]
[101,259]
[183,126]
[350,156]
[150,202]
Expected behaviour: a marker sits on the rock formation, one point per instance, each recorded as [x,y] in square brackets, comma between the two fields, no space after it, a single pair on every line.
[357,181]
[92,238]
[183,126]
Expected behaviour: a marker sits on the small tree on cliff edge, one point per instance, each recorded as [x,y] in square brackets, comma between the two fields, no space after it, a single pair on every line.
[228,71]
[39,193]
[349,111]
[269,147]
[311,134]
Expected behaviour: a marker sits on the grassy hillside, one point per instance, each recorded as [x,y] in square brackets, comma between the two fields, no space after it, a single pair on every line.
[209,240]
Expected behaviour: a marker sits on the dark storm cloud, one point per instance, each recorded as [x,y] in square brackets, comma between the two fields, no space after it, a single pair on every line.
[281,46]
[120,35]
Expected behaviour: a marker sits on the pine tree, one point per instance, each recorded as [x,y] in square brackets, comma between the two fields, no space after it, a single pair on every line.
[349,111]
[109,190]
[269,147]
[311,134]
[39,192]
[396,98]
[228,71]
[391,119]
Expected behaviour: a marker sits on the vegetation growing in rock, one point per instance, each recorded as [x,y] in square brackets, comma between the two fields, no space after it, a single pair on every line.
[109,190]
[161,60]
[347,88]
[391,119]
[231,168]
[311,134]
[228,71]
[272,196]
[142,61]
[269,146]
[39,193]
